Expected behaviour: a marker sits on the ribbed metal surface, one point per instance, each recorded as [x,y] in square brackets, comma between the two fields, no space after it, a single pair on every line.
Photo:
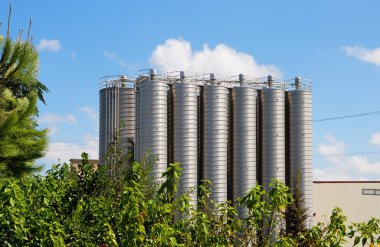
[272,135]
[300,143]
[244,143]
[153,123]
[107,119]
[116,106]
[102,125]
[126,118]
[185,135]
[215,128]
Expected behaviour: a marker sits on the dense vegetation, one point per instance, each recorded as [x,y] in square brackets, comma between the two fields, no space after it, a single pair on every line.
[116,206]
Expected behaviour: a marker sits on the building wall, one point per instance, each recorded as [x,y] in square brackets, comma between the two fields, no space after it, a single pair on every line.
[349,197]
[75,163]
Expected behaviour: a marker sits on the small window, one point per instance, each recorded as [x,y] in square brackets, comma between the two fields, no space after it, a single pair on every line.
[368,191]
[377,192]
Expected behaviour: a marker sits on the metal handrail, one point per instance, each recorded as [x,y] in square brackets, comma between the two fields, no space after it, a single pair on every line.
[205,79]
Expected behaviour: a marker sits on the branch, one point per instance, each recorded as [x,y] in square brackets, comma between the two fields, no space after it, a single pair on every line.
[9,20]
[30,27]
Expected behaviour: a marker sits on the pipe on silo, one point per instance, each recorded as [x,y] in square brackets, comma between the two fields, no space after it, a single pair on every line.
[270,81]
[241,79]
[182,75]
[212,78]
[298,83]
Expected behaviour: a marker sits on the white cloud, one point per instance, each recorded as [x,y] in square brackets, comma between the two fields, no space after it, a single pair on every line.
[333,149]
[375,139]
[52,118]
[115,58]
[90,112]
[53,130]
[327,175]
[363,54]
[342,166]
[49,45]
[64,151]
[177,54]
[73,56]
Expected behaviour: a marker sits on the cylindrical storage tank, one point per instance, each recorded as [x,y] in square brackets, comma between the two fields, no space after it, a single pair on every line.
[272,101]
[127,118]
[153,123]
[102,124]
[244,143]
[215,138]
[108,98]
[185,136]
[300,144]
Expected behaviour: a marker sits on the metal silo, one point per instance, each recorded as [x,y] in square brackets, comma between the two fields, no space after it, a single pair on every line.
[127,118]
[244,143]
[103,125]
[153,122]
[272,114]
[299,103]
[185,135]
[215,128]
[116,106]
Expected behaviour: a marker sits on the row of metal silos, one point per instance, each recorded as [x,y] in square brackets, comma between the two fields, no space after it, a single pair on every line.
[234,135]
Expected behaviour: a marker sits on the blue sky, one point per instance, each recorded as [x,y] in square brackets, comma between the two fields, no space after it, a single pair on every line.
[334,43]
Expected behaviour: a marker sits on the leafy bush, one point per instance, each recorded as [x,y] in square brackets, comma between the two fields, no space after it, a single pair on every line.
[118,205]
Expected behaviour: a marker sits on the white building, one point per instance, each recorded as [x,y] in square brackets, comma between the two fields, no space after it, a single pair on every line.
[359,200]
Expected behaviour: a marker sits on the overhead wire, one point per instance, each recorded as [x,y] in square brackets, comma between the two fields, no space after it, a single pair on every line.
[364,114]
[346,154]
[348,116]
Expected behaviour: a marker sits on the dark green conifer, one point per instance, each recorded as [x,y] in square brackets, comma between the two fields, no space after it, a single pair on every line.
[296,214]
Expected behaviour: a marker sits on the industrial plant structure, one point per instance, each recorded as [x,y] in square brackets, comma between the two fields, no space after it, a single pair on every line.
[233,131]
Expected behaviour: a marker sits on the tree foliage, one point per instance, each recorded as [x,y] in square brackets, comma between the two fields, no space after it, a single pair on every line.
[95,207]
[296,214]
[19,66]
[20,140]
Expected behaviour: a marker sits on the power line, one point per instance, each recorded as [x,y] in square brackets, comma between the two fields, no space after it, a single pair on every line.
[315,120]
[347,154]
[348,116]
[75,142]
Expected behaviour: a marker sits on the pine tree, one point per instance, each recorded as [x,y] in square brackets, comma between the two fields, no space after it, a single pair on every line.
[20,140]
[19,65]
[296,214]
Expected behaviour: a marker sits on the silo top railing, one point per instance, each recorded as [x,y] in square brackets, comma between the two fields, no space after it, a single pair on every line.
[206,79]
[299,84]
[116,81]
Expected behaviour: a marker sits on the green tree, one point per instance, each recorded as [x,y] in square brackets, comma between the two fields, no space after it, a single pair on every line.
[19,65]
[266,213]
[20,140]
[296,213]
[92,208]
